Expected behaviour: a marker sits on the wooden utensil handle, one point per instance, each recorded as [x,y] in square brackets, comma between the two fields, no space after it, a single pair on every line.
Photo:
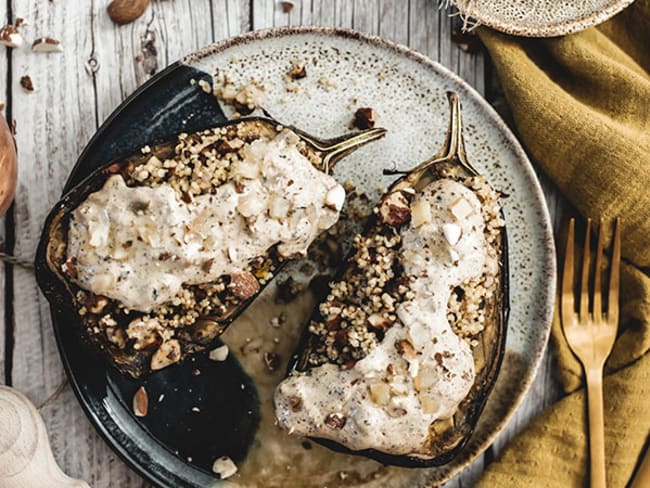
[26,459]
[596,427]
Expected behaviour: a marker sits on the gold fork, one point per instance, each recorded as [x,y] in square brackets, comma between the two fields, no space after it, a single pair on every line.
[591,335]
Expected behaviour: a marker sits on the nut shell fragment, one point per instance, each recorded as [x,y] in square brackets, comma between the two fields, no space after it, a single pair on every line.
[365,118]
[335,420]
[394,209]
[10,37]
[168,353]
[47,45]
[224,467]
[219,354]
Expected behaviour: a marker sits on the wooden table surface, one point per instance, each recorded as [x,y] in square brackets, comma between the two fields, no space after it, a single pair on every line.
[74,91]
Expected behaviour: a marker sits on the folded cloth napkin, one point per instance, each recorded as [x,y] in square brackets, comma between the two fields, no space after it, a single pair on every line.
[581,106]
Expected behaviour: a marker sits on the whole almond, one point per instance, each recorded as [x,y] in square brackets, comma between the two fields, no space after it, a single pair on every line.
[140,402]
[126,11]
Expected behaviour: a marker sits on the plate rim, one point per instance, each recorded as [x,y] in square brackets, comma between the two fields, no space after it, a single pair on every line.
[555,29]
[548,247]
[549,267]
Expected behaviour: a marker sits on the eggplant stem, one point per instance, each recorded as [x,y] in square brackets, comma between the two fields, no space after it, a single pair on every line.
[391,172]
[335,150]
[453,149]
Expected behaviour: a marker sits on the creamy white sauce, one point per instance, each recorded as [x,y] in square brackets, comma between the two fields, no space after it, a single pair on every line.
[430,384]
[139,245]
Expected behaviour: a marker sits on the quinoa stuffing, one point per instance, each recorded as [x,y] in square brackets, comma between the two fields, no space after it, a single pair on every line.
[197,165]
[360,305]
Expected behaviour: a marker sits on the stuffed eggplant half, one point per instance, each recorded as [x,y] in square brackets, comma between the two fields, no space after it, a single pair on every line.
[158,252]
[400,357]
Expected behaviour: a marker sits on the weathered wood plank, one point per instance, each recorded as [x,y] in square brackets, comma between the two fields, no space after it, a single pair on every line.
[54,123]
[230,18]
[262,14]
[365,16]
[394,21]
[324,13]
[59,117]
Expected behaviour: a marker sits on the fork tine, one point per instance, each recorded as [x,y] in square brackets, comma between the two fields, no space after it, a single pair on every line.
[597,302]
[584,286]
[614,275]
[567,277]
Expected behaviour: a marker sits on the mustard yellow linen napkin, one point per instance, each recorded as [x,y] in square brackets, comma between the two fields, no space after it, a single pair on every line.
[581,106]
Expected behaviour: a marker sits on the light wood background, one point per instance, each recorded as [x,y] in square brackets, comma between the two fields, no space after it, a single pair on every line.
[77,89]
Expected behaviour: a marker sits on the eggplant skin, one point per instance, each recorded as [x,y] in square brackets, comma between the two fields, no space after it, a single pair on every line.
[447,438]
[63,293]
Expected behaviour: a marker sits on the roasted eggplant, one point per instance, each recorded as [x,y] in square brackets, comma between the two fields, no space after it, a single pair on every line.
[160,251]
[398,360]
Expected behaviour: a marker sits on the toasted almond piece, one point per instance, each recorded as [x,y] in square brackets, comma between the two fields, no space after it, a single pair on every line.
[335,198]
[250,205]
[380,393]
[96,303]
[405,348]
[141,402]
[430,404]
[394,209]
[219,354]
[226,147]
[287,6]
[243,285]
[279,207]
[425,379]
[420,213]
[461,209]
[419,334]
[26,83]
[10,37]
[47,45]
[168,353]
[365,118]
[296,403]
[452,233]
[224,467]
[297,71]
[335,420]
[378,322]
[102,283]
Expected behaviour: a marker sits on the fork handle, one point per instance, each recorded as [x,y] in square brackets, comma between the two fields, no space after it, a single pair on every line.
[596,427]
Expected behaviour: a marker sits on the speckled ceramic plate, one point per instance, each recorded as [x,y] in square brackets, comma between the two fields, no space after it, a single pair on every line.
[540,18]
[175,444]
